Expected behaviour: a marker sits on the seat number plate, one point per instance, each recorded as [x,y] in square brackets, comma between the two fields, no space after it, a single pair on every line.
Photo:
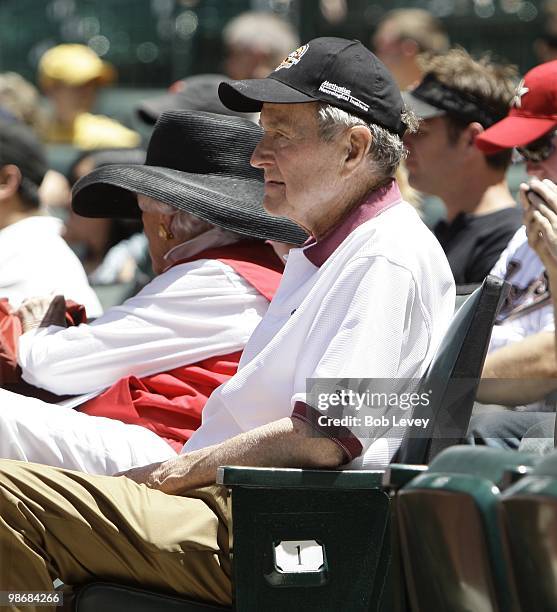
[298,556]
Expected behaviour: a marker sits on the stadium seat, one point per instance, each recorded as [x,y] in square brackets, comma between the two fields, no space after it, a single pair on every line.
[528,512]
[453,376]
[449,535]
[320,540]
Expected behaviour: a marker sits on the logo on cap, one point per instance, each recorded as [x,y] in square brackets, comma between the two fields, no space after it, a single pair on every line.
[293,58]
[516,102]
[342,93]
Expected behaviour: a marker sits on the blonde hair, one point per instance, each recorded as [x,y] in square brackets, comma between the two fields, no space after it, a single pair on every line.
[21,99]
[421,27]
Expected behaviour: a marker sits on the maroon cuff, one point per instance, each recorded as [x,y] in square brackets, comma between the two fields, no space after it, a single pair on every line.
[342,436]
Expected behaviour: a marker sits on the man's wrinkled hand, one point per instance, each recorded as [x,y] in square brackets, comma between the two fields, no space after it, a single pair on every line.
[42,312]
[166,476]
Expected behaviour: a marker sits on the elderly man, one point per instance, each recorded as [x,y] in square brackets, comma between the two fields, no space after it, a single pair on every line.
[369,296]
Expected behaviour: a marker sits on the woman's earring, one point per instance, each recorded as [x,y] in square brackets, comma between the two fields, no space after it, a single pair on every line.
[164,232]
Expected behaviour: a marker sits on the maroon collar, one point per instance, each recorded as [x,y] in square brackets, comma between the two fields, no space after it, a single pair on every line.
[379,200]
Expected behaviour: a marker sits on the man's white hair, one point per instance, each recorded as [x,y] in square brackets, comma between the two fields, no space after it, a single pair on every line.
[387,149]
[182,224]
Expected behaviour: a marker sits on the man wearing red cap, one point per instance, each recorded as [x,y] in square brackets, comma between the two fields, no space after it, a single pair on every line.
[522,345]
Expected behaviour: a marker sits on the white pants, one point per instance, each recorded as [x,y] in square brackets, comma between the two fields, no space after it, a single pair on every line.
[32,430]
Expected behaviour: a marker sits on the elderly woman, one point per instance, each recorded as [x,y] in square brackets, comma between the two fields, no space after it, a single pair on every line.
[150,364]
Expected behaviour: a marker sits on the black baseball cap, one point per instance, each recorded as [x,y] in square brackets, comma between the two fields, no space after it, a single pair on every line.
[196,93]
[337,71]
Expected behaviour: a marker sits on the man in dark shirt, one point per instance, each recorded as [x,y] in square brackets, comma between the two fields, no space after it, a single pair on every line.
[458,99]
[473,242]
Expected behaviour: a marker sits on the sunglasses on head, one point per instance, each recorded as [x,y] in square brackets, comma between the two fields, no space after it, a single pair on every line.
[539,150]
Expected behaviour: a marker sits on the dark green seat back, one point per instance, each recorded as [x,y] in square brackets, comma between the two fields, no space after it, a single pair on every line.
[449,535]
[453,376]
[528,512]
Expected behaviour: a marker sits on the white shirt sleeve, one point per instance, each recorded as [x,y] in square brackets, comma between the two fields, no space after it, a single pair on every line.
[191,312]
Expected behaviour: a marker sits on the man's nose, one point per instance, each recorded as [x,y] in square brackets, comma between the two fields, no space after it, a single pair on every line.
[260,156]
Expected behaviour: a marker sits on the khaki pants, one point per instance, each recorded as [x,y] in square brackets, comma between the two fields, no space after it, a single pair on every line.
[57,523]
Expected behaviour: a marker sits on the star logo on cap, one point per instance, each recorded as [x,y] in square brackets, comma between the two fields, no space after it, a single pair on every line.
[516,102]
[293,58]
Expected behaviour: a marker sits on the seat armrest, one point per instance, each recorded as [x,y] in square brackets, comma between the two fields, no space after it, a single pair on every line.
[289,478]
[398,474]
[513,475]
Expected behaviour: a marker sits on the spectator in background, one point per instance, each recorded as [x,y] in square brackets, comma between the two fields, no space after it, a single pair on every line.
[34,259]
[70,76]
[402,36]
[55,194]
[540,218]
[457,99]
[112,250]
[545,46]
[539,200]
[255,44]
[521,368]
[196,93]
[20,100]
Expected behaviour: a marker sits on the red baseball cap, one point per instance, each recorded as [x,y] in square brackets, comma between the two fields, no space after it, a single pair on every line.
[533,112]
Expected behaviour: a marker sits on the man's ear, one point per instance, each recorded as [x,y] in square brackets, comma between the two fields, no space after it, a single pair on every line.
[358,143]
[473,130]
[409,47]
[10,180]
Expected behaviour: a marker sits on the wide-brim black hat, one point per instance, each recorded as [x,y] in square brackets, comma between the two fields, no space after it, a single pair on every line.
[196,162]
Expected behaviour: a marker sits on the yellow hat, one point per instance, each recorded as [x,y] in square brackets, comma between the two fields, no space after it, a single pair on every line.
[98,131]
[74,65]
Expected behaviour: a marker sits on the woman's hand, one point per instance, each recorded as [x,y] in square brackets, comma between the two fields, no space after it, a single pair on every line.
[42,312]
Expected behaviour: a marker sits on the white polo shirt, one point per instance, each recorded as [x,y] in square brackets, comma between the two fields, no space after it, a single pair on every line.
[371,300]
